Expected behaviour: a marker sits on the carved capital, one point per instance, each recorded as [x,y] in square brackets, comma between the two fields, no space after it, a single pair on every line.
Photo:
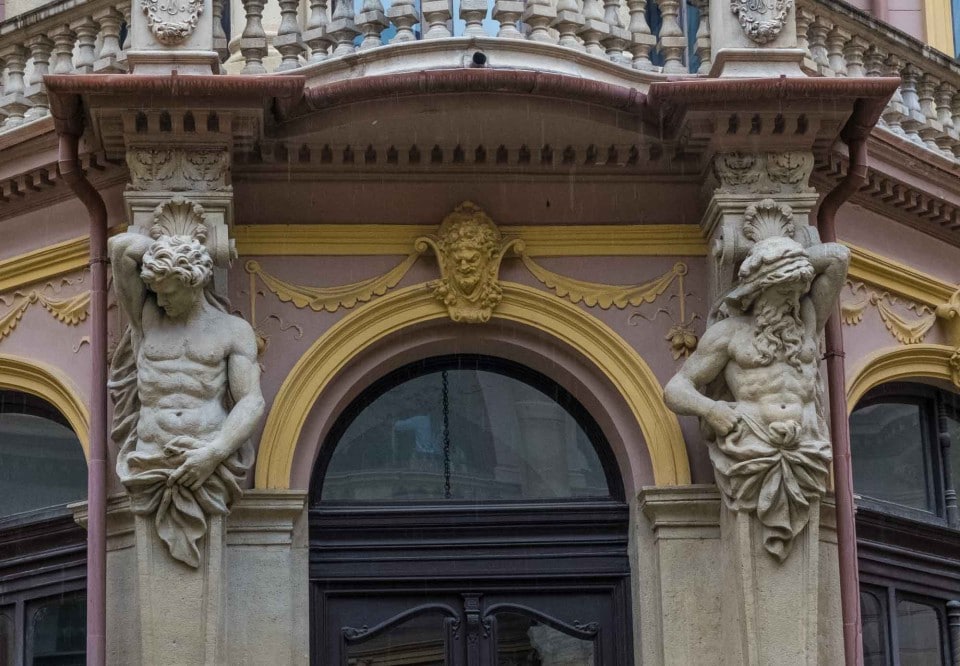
[469,248]
[761,20]
[178,169]
[763,173]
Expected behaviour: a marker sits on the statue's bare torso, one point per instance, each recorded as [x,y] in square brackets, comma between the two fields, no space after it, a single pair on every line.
[182,376]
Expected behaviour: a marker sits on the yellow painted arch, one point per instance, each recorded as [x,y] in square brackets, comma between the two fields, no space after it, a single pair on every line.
[897,364]
[525,305]
[43,381]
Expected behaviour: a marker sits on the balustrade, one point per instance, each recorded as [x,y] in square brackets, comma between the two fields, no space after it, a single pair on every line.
[841,41]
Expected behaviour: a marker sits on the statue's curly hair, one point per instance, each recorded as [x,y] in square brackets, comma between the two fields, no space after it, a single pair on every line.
[468,231]
[182,257]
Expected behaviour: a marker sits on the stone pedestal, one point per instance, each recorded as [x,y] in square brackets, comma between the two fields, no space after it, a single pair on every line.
[182,609]
[769,609]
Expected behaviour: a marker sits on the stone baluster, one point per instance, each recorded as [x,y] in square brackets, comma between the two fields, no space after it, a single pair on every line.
[672,41]
[873,66]
[508,12]
[220,42]
[569,21]
[315,36]
[404,16]
[642,40]
[125,9]
[371,21]
[895,111]
[805,19]
[13,103]
[853,53]
[914,119]
[955,110]
[342,28]
[539,15]
[253,40]
[63,39]
[836,40]
[594,28]
[287,42]
[702,44]
[931,130]
[818,32]
[41,48]
[86,29]
[472,12]
[619,38]
[108,60]
[437,18]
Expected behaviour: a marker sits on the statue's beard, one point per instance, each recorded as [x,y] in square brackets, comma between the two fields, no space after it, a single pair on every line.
[778,332]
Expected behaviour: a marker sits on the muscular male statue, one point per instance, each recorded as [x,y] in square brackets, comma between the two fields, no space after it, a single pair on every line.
[771,448]
[186,388]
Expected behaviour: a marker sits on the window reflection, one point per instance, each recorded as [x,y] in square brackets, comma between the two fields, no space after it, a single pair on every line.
[56,635]
[41,460]
[920,634]
[525,641]
[889,454]
[464,434]
[416,642]
[874,636]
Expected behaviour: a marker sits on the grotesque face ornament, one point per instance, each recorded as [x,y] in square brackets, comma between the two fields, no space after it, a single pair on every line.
[469,249]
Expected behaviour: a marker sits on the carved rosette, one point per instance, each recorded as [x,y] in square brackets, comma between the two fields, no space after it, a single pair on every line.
[469,249]
[761,20]
[172,21]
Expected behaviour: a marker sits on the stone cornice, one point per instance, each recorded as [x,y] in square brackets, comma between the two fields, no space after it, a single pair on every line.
[898,278]
[44,263]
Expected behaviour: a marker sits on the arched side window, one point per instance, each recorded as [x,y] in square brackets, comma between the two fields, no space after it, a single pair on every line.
[42,550]
[905,445]
[466,510]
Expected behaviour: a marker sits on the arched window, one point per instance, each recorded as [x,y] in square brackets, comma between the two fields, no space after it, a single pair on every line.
[42,550]
[905,445]
[467,510]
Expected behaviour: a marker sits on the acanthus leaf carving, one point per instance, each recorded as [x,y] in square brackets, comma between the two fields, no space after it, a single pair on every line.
[763,173]
[195,169]
[172,21]
[761,20]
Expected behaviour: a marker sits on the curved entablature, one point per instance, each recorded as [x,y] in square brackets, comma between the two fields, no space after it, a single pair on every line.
[409,310]
[19,374]
[917,361]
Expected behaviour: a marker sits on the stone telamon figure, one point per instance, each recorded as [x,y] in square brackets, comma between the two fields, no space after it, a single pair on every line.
[770,448]
[186,388]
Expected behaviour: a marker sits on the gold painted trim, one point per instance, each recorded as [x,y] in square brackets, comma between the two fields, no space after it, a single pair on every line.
[540,241]
[43,381]
[44,263]
[898,363]
[413,305]
[897,278]
[939,25]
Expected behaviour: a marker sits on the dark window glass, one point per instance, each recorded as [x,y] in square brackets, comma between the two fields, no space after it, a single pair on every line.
[41,460]
[56,634]
[464,433]
[7,643]
[953,428]
[874,630]
[419,641]
[889,445]
[525,641]
[920,634]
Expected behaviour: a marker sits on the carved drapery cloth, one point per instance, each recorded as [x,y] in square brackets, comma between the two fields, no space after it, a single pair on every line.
[773,471]
[180,514]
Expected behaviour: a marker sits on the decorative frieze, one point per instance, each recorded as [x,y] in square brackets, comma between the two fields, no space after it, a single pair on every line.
[178,169]
[763,173]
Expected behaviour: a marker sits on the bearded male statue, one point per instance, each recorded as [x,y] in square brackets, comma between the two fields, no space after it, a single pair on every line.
[186,388]
[754,381]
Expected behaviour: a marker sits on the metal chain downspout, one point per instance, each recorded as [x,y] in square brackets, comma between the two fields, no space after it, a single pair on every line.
[856,176]
[72,173]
